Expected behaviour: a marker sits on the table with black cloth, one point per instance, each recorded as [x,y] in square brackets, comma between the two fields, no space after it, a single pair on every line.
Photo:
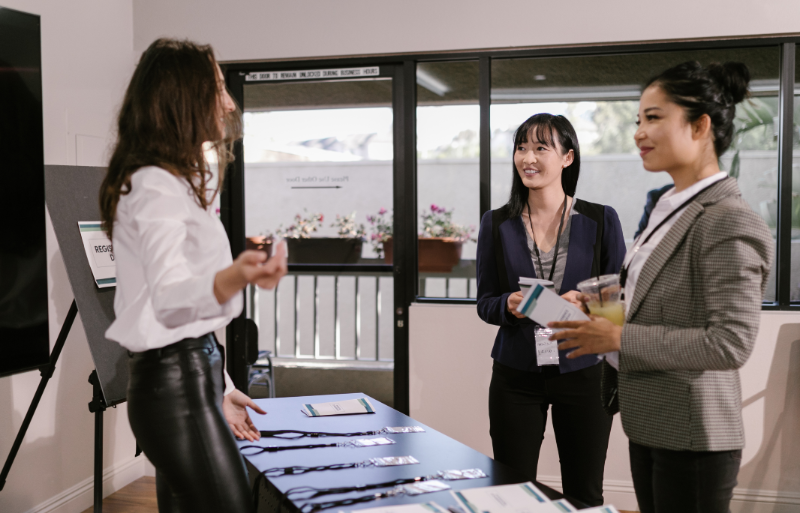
[434,451]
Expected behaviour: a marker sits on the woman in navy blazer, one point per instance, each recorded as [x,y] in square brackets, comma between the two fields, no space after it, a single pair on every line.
[544,232]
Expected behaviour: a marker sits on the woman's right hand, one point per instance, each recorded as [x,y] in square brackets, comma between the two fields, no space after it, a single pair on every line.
[251,266]
[513,302]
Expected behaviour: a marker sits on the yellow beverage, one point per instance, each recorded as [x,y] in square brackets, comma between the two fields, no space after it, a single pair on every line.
[613,311]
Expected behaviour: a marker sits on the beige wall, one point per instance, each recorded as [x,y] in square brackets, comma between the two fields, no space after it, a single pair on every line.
[451,370]
[87,57]
[269,29]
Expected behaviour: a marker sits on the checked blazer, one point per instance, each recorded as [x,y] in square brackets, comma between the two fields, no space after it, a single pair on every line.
[691,324]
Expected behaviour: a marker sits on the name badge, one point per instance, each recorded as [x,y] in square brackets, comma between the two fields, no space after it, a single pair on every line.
[546,349]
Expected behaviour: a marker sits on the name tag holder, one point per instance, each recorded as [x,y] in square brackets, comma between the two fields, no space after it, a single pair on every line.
[546,349]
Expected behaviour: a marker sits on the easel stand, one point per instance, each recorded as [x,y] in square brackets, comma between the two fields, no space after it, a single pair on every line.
[97,406]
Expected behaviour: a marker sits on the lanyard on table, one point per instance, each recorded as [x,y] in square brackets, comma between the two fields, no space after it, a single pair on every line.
[285,434]
[558,239]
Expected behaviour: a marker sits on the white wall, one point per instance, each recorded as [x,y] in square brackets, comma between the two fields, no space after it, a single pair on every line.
[270,29]
[451,370]
[87,58]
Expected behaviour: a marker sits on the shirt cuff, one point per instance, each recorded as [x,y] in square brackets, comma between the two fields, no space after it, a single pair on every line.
[612,358]
[208,306]
[228,384]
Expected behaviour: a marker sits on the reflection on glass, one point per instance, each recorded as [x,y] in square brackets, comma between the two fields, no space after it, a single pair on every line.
[448,149]
[318,165]
[599,95]
[318,160]
[794,288]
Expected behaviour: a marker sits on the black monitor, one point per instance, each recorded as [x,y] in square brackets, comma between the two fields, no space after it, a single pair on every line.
[24,337]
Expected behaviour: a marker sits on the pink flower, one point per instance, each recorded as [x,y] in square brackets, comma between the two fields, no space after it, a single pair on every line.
[382,211]
[434,208]
[321,217]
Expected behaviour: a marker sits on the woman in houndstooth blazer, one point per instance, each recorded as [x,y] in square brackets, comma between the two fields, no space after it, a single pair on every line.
[694,281]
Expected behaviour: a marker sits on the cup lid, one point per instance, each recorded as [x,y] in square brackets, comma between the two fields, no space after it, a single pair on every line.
[600,281]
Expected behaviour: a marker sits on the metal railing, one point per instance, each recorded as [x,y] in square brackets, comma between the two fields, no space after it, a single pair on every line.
[327,315]
[340,315]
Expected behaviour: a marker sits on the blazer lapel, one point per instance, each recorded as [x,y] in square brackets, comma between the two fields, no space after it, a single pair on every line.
[516,251]
[662,253]
[669,244]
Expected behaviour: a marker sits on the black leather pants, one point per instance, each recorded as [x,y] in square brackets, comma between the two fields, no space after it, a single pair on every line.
[175,411]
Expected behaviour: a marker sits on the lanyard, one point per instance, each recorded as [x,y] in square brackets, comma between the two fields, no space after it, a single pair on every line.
[291,434]
[558,240]
[623,275]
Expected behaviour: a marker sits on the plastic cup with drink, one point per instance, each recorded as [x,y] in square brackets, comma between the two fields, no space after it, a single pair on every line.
[602,296]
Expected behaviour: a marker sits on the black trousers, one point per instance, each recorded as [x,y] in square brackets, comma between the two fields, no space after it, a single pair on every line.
[518,405]
[687,481]
[175,411]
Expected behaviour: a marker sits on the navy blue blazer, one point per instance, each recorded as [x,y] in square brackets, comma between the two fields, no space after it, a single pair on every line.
[514,345]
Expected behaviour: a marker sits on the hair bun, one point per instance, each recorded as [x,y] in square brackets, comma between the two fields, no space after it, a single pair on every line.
[733,78]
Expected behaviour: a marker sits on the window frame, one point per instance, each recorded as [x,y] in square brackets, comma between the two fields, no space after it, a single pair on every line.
[405,163]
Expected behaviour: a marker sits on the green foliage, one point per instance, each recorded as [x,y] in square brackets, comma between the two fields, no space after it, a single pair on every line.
[615,123]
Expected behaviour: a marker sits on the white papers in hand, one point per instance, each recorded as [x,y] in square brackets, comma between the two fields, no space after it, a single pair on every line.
[543,306]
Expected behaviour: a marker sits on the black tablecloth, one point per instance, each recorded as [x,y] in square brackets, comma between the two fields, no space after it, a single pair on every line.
[434,451]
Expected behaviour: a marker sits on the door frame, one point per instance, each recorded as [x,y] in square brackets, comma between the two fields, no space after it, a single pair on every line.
[404,181]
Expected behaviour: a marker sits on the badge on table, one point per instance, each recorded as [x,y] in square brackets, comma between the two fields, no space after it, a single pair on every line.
[99,252]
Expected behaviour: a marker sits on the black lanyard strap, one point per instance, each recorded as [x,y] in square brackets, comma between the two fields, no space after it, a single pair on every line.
[291,434]
[558,240]
[623,275]
[252,450]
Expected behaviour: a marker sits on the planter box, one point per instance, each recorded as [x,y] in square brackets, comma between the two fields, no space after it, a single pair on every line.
[324,250]
[436,255]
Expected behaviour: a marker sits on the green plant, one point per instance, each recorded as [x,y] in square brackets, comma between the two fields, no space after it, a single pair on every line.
[439,223]
[750,115]
[347,229]
[302,228]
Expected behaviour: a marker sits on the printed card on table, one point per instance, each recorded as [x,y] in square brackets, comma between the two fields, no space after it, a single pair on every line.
[99,252]
[515,498]
[349,407]
[425,507]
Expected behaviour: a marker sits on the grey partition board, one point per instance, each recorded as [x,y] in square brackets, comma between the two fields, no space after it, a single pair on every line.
[72,195]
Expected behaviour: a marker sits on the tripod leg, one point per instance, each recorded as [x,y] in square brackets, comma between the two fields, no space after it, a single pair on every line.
[98,461]
[47,373]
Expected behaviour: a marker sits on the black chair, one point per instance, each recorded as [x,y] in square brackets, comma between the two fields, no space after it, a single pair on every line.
[261,373]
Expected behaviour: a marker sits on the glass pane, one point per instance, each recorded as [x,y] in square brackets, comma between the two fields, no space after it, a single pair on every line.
[448,178]
[599,95]
[794,290]
[319,161]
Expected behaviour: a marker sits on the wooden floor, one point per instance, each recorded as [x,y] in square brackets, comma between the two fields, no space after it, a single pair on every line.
[140,497]
[137,497]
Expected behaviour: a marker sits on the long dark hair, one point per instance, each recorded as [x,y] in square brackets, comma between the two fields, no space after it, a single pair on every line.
[169,111]
[714,90]
[543,127]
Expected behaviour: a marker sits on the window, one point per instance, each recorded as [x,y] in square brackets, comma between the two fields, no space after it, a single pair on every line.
[600,97]
[448,125]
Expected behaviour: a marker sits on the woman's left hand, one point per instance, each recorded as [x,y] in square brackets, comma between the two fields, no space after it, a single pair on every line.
[589,337]
[235,411]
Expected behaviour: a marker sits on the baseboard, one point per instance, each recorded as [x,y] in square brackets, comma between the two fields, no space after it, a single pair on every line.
[622,495]
[81,496]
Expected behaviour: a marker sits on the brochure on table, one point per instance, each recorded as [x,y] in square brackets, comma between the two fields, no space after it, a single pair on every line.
[99,252]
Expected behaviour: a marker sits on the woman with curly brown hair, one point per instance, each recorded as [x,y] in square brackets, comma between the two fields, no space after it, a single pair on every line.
[176,280]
